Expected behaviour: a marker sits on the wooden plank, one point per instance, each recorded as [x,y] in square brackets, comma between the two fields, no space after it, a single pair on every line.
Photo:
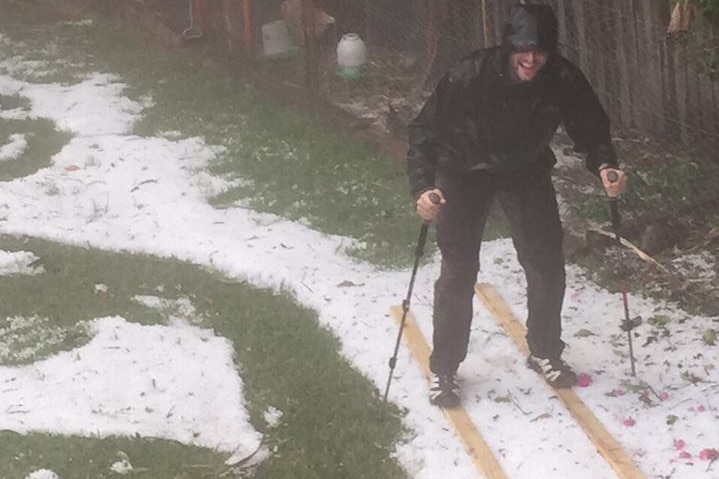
[468,433]
[605,443]
[414,339]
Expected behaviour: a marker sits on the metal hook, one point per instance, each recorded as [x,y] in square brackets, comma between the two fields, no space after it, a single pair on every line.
[192,32]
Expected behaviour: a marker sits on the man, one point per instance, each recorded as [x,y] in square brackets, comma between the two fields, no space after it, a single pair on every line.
[484,134]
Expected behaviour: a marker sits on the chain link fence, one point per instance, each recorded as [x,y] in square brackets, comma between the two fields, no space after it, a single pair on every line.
[661,90]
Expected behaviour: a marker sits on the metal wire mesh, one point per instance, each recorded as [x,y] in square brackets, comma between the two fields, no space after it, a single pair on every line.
[661,91]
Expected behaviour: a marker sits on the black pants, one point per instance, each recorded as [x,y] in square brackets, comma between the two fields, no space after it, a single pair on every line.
[530,205]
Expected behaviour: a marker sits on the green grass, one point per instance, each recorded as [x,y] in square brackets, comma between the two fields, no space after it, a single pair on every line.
[331,425]
[43,140]
[294,166]
[671,184]
[73,457]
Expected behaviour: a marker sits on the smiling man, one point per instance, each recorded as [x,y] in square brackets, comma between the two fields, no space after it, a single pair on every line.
[526,63]
[484,134]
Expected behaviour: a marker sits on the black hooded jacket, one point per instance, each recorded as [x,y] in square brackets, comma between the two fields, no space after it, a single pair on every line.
[479,119]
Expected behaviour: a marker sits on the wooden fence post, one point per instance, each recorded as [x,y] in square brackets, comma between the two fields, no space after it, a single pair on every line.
[311,46]
[248,29]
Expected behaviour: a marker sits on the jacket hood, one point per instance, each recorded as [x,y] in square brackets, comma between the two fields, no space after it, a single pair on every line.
[531,26]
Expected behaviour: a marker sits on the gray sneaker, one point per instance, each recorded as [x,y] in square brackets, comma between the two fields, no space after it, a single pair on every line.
[444,391]
[555,371]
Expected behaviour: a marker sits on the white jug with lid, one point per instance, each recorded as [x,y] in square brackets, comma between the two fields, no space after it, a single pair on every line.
[351,56]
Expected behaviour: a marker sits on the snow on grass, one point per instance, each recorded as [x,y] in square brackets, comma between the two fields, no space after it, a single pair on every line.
[175,382]
[42,474]
[175,309]
[700,266]
[273,416]
[14,148]
[19,262]
[25,339]
[14,114]
[72,113]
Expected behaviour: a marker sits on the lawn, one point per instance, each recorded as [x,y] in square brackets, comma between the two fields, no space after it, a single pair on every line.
[331,424]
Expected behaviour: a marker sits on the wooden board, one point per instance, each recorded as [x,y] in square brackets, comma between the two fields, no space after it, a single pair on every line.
[468,433]
[605,443]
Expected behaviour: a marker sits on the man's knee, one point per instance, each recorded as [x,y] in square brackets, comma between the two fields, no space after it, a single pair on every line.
[458,275]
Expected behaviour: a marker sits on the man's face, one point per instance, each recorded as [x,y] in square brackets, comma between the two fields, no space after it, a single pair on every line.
[525,64]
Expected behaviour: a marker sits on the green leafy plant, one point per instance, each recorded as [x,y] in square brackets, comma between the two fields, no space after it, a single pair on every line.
[707,56]
[678,181]
[709,8]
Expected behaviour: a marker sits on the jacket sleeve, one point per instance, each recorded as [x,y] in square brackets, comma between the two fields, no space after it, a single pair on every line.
[425,133]
[587,123]
[423,142]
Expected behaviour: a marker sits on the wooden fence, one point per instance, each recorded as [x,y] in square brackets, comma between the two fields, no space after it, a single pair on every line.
[648,81]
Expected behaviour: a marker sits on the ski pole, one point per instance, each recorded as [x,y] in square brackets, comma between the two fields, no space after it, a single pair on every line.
[627,324]
[418,253]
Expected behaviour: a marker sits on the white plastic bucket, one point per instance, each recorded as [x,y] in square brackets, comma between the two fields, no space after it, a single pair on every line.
[351,56]
[275,38]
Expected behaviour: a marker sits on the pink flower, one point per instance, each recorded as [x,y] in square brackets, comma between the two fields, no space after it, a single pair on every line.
[679,444]
[708,454]
[701,408]
[584,380]
[629,422]
[663,395]
[685,455]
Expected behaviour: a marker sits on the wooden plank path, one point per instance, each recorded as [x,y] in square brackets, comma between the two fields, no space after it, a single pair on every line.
[605,443]
[468,433]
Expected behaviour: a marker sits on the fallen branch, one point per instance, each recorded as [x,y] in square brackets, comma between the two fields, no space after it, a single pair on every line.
[625,242]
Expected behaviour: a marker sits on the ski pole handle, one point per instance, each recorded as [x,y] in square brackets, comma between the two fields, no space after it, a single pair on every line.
[419,252]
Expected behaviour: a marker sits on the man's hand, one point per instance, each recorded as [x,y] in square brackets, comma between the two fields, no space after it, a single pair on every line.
[428,209]
[614,181]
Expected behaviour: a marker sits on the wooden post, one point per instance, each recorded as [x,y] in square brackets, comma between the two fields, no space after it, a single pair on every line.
[435,17]
[248,30]
[202,14]
[485,25]
[432,28]
[311,48]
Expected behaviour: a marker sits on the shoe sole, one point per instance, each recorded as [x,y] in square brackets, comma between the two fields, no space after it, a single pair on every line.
[446,402]
[566,384]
